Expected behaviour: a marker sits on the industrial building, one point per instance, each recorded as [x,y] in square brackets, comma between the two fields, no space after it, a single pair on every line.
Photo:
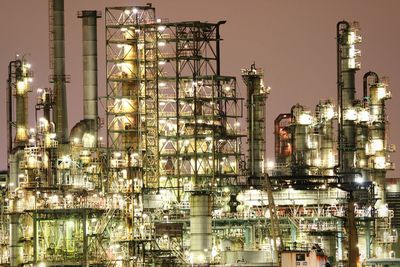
[181,178]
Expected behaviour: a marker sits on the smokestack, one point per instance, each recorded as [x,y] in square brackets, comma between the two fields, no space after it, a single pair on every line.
[89,33]
[60,112]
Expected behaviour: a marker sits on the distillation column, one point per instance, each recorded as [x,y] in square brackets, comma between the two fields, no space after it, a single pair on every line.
[60,112]
[325,114]
[377,137]
[18,84]
[347,38]
[347,66]
[256,116]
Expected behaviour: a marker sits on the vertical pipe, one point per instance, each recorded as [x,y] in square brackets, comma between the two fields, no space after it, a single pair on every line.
[60,112]
[90,88]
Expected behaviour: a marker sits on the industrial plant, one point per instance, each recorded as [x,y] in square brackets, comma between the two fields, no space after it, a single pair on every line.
[181,177]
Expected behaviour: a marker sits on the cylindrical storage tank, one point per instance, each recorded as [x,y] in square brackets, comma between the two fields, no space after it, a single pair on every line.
[200,228]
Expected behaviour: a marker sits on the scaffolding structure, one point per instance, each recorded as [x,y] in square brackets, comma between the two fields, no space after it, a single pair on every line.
[169,186]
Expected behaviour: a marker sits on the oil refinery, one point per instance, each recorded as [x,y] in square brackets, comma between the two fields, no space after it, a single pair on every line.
[182,178]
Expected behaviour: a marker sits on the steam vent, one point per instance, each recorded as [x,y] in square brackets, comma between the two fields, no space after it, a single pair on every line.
[168,166]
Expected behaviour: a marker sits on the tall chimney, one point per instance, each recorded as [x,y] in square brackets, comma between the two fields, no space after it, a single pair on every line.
[89,33]
[60,112]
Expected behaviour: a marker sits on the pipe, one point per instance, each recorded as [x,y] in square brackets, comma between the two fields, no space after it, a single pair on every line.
[90,88]
[365,83]
[283,145]
[60,112]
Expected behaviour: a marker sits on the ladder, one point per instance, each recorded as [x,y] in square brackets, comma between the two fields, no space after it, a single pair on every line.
[275,229]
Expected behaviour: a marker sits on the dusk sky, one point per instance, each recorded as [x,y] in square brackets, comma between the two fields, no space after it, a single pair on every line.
[293,41]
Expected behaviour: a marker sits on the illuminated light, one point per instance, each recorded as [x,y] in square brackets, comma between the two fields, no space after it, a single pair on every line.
[30,79]
[117,154]
[270,164]
[53,135]
[350,114]
[161,28]
[76,140]
[305,119]
[162,103]
[227,88]
[161,84]
[209,138]
[380,162]
[135,11]
[381,92]
[127,11]
[161,62]
[363,116]
[377,144]
[329,113]
[317,162]
[362,163]
[42,264]
[359,179]
[28,65]
[237,124]
[124,29]
[161,43]
[21,86]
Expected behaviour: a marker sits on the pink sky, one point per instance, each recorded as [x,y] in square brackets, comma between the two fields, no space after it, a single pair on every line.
[294,41]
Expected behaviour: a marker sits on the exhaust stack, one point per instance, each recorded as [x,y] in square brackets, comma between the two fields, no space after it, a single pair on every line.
[60,113]
[90,88]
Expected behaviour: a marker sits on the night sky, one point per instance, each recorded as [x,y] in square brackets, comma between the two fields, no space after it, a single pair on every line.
[293,41]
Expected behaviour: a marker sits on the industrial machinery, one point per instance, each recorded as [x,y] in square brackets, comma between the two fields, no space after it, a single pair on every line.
[169,185]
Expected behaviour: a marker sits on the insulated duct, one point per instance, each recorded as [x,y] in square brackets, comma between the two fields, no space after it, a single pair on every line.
[60,112]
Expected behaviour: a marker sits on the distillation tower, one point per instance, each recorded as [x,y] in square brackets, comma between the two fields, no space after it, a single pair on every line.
[169,185]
